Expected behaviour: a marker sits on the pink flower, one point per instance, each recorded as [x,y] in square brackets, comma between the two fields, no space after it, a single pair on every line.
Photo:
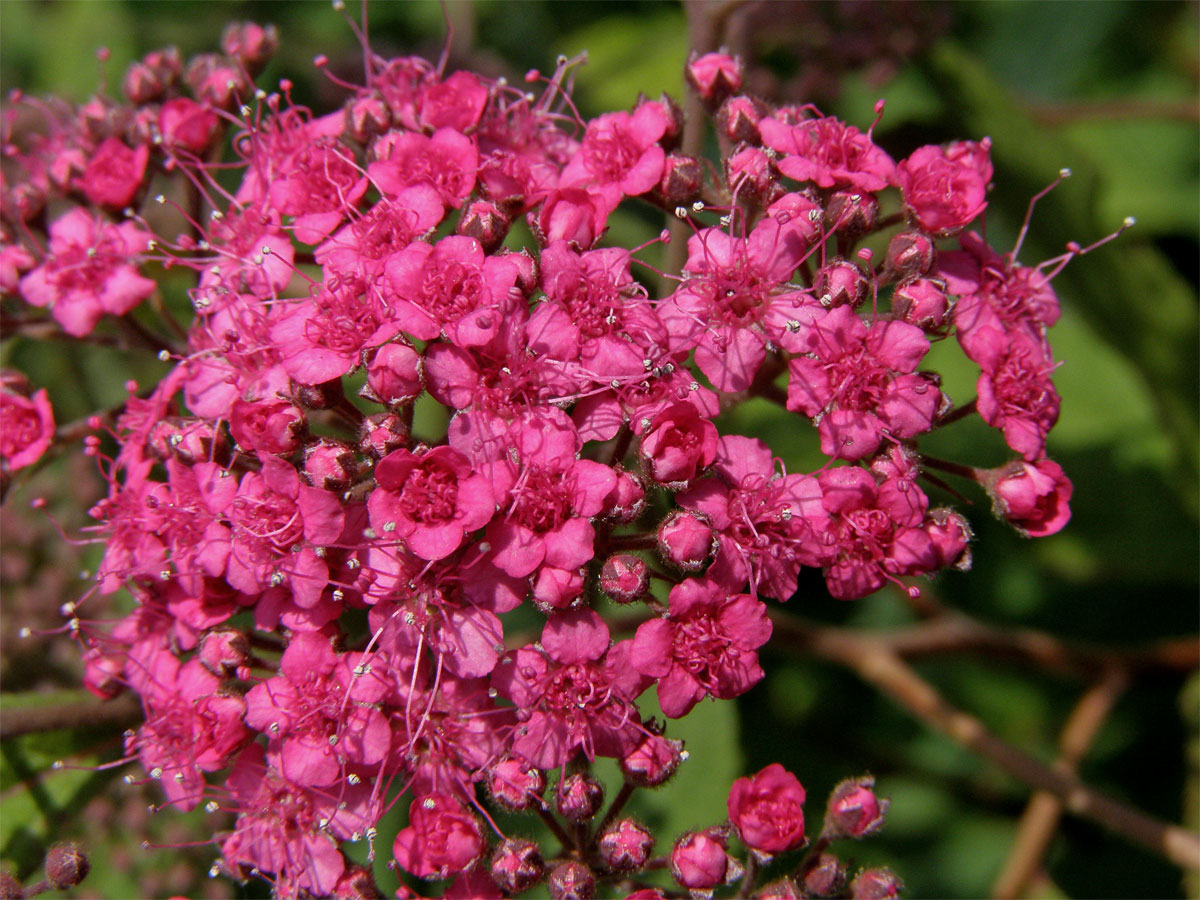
[431,501]
[620,155]
[187,126]
[114,173]
[828,152]
[1032,497]
[677,444]
[26,428]
[320,187]
[442,838]
[768,810]
[945,188]
[448,161]
[1015,393]
[88,272]
[456,103]
[704,647]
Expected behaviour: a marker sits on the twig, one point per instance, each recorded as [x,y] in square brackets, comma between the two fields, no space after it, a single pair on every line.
[876,662]
[1042,815]
[119,713]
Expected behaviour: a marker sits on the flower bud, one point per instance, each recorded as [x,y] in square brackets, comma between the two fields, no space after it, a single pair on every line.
[10,888]
[875,884]
[951,536]
[148,79]
[652,761]
[783,889]
[909,253]
[851,213]
[570,214]
[103,673]
[714,76]
[626,846]
[66,866]
[677,444]
[767,810]
[681,181]
[738,117]
[382,433]
[627,499]
[514,784]
[267,426]
[686,540]
[486,222]
[826,878]
[699,861]
[224,650]
[578,797]
[329,464]
[854,811]
[572,881]
[1032,497]
[517,865]
[214,79]
[624,577]
[393,374]
[367,116]
[921,302]
[357,883]
[250,44]
[841,283]
[555,588]
[187,125]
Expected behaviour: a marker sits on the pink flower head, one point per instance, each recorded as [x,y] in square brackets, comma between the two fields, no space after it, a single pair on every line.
[945,188]
[705,646]
[447,161]
[88,272]
[114,173]
[768,810]
[456,103]
[574,694]
[442,838]
[1032,497]
[767,525]
[859,383]
[620,154]
[828,152]
[1015,392]
[431,501]
[26,428]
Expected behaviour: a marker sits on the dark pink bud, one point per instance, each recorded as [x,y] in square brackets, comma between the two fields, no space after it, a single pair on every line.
[486,222]
[142,84]
[626,846]
[517,865]
[714,76]
[686,540]
[1032,497]
[267,426]
[555,588]
[768,810]
[951,536]
[578,797]
[699,861]
[624,577]
[875,884]
[224,650]
[250,44]
[187,125]
[854,810]
[652,761]
[357,883]
[514,784]
[673,133]
[393,374]
[677,444]
[909,253]
[382,433]
[329,464]
[783,889]
[826,878]
[852,213]
[681,181]
[572,881]
[921,302]
[66,866]
[195,440]
[215,80]
[367,116]
[627,499]
[103,673]
[750,173]
[10,888]
[841,283]
[738,118]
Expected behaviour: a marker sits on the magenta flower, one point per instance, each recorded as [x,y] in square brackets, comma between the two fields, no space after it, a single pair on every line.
[859,384]
[88,272]
[114,173]
[945,188]
[704,647]
[447,161]
[1015,393]
[442,838]
[677,444]
[26,428]
[573,694]
[768,810]
[320,187]
[620,155]
[829,153]
[1032,497]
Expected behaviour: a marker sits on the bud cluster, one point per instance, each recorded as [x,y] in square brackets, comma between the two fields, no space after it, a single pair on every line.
[321,575]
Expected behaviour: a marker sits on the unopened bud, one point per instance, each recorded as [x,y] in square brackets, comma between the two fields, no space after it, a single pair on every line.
[685,540]
[572,881]
[699,861]
[852,213]
[627,499]
[624,577]
[367,116]
[738,118]
[382,433]
[826,878]
[357,883]
[486,222]
[517,865]
[578,797]
[329,464]
[681,181]
[783,889]
[921,302]
[223,650]
[854,810]
[652,761]
[714,76]
[515,785]
[10,888]
[66,866]
[909,253]
[876,884]
[626,846]
[841,283]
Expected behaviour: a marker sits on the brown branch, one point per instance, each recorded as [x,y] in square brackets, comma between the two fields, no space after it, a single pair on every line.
[875,661]
[119,713]
[1041,817]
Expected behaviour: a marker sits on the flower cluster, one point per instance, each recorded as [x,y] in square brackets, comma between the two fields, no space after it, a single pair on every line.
[321,568]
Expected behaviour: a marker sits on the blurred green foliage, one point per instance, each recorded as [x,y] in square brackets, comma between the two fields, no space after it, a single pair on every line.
[1108,89]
